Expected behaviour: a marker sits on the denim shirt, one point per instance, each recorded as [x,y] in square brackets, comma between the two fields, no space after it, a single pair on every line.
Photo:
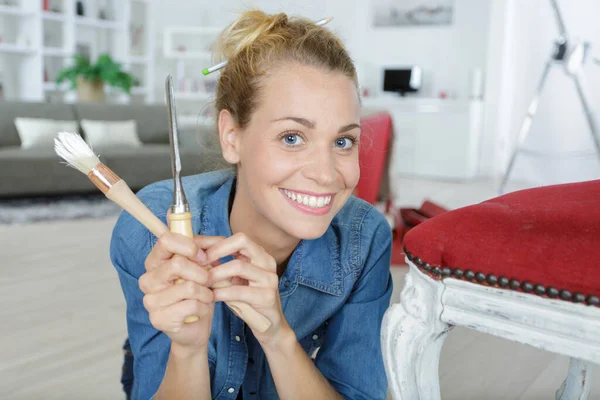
[334,293]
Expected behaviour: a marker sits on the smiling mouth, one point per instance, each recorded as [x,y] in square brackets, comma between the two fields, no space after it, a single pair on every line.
[315,202]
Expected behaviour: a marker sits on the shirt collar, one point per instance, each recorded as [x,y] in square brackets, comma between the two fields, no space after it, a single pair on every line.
[315,263]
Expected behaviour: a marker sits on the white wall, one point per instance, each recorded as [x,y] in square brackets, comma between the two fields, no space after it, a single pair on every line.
[447,53]
[559,128]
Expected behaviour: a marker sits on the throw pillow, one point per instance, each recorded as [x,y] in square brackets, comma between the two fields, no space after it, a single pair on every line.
[40,132]
[111,133]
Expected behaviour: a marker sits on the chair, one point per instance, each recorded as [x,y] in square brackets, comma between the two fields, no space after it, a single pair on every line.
[523,266]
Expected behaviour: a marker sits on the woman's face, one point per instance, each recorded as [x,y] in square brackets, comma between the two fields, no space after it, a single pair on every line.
[298,156]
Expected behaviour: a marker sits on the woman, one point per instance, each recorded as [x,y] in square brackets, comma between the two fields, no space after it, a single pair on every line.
[282,225]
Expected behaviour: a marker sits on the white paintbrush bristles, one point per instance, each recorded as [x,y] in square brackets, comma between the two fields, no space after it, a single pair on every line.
[75,151]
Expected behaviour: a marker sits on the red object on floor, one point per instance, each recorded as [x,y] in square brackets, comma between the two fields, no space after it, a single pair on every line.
[547,240]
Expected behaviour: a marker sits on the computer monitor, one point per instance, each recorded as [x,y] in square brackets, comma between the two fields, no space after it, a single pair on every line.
[402,80]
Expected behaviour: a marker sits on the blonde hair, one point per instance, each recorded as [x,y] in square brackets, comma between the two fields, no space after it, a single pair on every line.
[256,42]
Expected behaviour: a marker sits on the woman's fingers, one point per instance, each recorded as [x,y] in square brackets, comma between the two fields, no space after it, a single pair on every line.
[242,244]
[177,293]
[170,244]
[255,296]
[177,267]
[239,268]
[204,242]
[171,318]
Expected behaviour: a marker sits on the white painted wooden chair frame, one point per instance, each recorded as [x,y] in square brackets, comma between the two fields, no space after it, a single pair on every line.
[414,330]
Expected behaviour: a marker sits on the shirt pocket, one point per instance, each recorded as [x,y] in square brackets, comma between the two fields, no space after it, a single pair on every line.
[313,342]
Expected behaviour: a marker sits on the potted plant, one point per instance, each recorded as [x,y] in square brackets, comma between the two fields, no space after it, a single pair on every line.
[89,79]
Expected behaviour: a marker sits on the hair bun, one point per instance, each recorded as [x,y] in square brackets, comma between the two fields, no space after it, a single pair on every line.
[244,31]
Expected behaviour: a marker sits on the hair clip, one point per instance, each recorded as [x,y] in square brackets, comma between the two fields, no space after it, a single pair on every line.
[220,65]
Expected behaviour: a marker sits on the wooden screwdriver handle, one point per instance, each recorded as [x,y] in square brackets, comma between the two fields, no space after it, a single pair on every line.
[182,224]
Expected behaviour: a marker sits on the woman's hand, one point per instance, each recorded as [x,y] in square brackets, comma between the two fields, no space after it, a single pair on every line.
[253,274]
[175,256]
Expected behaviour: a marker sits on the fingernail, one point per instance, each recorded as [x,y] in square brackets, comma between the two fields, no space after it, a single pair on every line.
[201,256]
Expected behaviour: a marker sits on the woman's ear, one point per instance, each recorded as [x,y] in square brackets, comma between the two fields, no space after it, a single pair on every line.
[229,137]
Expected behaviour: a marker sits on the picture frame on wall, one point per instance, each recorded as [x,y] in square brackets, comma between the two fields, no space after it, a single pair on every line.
[409,13]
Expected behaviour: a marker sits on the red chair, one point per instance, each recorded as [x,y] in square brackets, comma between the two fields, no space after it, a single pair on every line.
[374,155]
[523,266]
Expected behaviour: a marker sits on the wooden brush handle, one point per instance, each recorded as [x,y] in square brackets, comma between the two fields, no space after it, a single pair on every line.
[121,194]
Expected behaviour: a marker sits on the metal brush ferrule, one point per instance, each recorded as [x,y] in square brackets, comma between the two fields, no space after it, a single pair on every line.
[103,177]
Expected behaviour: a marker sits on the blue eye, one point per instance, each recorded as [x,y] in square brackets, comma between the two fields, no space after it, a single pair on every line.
[292,139]
[344,143]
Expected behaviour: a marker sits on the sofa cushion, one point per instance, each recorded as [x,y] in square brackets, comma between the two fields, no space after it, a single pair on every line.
[544,240]
[40,132]
[100,134]
[152,119]
[11,110]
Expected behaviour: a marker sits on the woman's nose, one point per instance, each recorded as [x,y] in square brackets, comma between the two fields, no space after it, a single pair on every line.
[321,167]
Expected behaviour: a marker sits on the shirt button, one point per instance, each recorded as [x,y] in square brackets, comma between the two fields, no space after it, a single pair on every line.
[286,283]
[315,337]
[237,338]
[231,390]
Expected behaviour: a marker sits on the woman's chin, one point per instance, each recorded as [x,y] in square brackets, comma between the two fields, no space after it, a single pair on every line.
[307,231]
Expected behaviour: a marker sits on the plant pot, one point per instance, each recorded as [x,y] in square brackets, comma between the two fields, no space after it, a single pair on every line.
[90,91]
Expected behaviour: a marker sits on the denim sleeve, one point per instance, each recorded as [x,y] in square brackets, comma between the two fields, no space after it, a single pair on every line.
[130,245]
[350,357]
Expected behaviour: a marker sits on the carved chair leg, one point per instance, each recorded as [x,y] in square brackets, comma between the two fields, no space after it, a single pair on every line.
[576,385]
[412,337]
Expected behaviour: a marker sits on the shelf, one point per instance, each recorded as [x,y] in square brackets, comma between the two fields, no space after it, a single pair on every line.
[194,96]
[53,87]
[14,10]
[54,16]
[138,59]
[97,23]
[189,55]
[55,52]
[15,49]
[139,90]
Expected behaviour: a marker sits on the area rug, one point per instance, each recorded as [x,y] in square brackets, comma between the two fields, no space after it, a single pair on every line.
[30,210]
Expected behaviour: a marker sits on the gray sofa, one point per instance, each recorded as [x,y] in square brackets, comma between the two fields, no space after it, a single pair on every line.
[39,171]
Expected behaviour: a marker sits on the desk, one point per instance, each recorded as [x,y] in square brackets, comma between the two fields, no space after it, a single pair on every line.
[433,137]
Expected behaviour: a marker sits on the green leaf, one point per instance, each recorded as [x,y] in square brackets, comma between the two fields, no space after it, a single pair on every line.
[105,69]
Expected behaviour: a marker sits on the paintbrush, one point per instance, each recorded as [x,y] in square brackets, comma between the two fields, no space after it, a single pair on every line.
[74,150]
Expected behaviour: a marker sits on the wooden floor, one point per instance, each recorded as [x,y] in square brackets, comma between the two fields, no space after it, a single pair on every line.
[62,313]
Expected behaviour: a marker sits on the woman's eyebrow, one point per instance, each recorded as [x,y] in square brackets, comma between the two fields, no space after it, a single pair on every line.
[310,124]
[302,121]
[349,127]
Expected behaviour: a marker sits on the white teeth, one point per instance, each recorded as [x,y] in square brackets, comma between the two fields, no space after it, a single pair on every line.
[311,201]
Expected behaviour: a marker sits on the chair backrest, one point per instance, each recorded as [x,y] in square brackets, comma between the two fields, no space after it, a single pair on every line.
[374,155]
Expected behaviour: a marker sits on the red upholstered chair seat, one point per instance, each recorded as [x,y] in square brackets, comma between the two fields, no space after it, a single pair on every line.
[544,241]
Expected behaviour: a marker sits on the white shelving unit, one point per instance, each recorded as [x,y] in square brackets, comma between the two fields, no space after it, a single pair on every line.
[35,44]
[191,50]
